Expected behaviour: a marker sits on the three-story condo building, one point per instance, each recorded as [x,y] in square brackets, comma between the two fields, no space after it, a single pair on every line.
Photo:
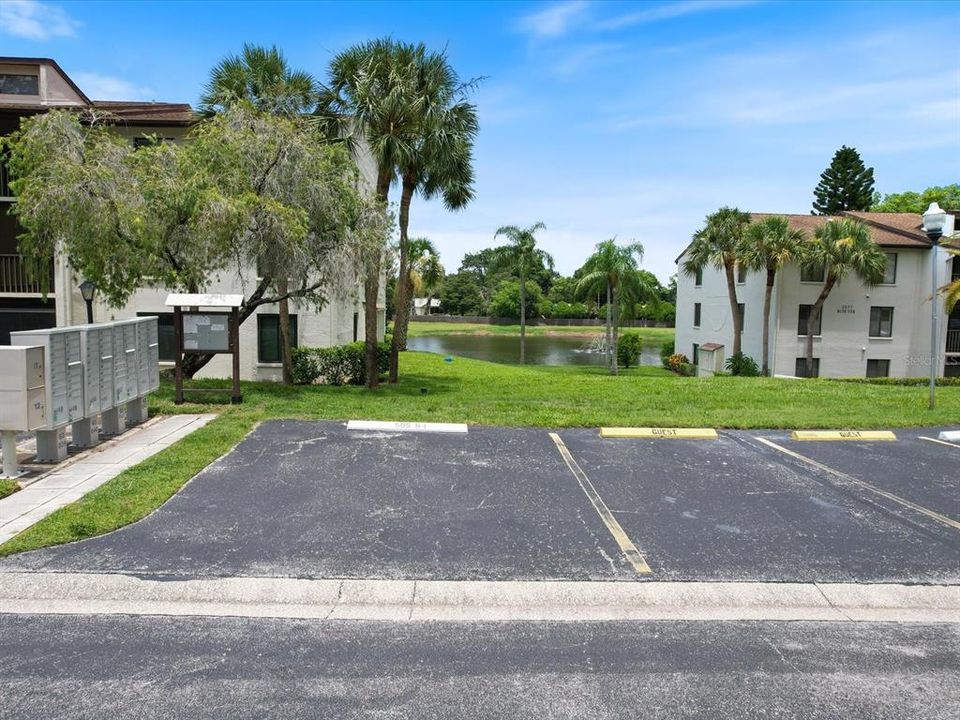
[864,331]
[35,85]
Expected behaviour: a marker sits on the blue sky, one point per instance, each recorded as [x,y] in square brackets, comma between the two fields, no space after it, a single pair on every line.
[601,119]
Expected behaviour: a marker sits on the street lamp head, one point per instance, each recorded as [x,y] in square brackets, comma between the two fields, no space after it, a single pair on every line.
[87,290]
[934,220]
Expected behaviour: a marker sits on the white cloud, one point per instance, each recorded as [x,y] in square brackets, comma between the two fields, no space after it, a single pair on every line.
[35,20]
[671,10]
[104,87]
[555,20]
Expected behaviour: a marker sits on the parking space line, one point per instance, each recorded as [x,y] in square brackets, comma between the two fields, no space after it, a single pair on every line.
[950,522]
[627,547]
[940,442]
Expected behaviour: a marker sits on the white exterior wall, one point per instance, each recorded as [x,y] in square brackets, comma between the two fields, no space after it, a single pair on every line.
[716,320]
[844,345]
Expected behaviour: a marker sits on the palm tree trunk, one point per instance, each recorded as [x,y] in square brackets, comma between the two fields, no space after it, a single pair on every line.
[523,320]
[401,297]
[371,293]
[814,317]
[735,311]
[608,335]
[615,333]
[768,293]
[286,355]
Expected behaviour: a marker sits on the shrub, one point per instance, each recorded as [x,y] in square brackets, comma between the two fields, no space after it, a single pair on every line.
[628,349]
[505,302]
[666,350]
[563,309]
[744,365]
[339,365]
[676,362]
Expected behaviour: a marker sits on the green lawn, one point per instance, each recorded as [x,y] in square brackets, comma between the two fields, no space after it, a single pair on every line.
[651,336]
[483,393]
[8,487]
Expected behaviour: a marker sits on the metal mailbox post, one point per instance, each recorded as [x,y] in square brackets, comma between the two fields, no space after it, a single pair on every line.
[64,387]
[22,398]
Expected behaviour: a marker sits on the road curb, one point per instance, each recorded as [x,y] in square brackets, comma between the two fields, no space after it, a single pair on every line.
[465,601]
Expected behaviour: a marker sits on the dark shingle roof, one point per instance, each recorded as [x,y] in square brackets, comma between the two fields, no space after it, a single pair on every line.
[147,113]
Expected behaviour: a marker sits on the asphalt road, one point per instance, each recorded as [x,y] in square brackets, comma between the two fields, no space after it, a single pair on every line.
[308,499]
[225,669]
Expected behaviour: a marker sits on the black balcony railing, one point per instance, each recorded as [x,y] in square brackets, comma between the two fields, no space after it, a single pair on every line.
[15,277]
[953,341]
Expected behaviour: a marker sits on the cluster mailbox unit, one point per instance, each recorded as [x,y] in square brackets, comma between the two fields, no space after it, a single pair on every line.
[23,402]
[99,371]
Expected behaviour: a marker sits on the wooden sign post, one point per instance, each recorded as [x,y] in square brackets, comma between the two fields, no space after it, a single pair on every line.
[206,332]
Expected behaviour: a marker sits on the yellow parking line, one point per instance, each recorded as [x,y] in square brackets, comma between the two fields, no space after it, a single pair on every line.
[656,433]
[842,435]
[627,547]
[950,522]
[940,442]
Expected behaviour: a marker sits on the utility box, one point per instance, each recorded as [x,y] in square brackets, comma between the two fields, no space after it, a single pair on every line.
[711,360]
[22,398]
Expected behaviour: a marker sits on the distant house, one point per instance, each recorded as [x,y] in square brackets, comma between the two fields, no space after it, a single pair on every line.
[420,306]
[35,85]
[877,331]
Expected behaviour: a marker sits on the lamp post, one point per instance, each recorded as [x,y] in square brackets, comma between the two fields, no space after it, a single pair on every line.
[87,290]
[934,220]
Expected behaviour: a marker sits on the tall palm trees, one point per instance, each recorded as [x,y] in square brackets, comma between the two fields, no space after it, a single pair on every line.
[520,256]
[840,247]
[440,163]
[261,78]
[614,268]
[769,245]
[718,244]
[409,106]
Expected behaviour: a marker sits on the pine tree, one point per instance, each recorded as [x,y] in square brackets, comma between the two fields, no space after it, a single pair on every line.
[846,185]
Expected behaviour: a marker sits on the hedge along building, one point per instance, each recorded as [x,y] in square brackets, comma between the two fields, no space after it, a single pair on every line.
[34,85]
[865,331]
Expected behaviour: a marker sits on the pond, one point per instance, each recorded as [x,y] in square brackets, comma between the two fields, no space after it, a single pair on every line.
[541,349]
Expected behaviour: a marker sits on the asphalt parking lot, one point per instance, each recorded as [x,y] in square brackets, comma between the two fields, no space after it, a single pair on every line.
[308,499]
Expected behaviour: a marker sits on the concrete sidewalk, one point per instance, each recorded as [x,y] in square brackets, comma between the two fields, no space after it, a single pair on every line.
[458,601]
[76,478]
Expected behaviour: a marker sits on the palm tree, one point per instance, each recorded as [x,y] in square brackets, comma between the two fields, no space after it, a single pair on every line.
[521,256]
[840,247]
[951,291]
[718,244]
[372,93]
[614,269]
[440,163]
[426,272]
[769,245]
[261,78]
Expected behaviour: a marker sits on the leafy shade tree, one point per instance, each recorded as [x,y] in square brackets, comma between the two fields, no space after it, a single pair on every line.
[718,244]
[248,187]
[370,94]
[614,269]
[460,295]
[262,79]
[520,256]
[439,161]
[769,245]
[841,247]
[847,184]
[947,196]
[505,302]
[425,274]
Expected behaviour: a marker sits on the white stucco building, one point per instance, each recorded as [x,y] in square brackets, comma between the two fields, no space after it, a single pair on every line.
[33,85]
[881,330]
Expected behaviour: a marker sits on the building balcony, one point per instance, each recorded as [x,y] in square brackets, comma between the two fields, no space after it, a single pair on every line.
[15,278]
[953,341]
